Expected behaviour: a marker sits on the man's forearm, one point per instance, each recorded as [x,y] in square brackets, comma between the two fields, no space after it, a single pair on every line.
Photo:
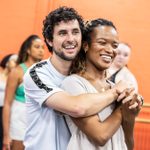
[94,104]
[82,105]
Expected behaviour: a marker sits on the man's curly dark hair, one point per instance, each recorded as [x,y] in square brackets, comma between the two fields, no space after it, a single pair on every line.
[55,17]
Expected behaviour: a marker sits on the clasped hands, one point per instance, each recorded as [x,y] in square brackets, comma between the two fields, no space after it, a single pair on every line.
[131,100]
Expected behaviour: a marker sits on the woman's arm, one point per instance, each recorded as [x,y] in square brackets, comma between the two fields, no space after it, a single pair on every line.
[128,120]
[97,131]
[12,83]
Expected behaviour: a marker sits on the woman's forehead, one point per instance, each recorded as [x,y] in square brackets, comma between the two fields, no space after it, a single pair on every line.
[104,32]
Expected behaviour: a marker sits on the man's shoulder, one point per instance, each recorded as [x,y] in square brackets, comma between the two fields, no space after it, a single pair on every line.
[36,70]
[38,67]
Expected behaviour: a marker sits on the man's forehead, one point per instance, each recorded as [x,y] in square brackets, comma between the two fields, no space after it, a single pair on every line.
[67,24]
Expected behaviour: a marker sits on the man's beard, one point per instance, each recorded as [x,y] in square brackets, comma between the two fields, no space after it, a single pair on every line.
[62,55]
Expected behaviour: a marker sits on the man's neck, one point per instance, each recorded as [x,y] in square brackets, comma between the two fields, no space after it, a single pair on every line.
[61,65]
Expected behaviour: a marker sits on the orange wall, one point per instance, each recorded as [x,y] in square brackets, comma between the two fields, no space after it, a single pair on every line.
[21,18]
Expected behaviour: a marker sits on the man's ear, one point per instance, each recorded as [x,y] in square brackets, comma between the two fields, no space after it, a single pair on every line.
[49,42]
[85,46]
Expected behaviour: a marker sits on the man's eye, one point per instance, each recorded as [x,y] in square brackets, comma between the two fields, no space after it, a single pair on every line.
[75,32]
[62,33]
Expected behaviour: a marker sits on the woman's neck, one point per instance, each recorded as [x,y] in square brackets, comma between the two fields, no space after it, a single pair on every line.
[30,62]
[92,73]
[97,79]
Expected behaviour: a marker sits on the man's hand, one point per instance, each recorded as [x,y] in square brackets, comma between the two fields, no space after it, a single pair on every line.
[122,88]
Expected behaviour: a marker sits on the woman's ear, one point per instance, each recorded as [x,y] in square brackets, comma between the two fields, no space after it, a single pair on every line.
[28,51]
[85,47]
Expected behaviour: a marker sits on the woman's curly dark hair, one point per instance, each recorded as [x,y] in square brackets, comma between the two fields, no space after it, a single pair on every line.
[61,14]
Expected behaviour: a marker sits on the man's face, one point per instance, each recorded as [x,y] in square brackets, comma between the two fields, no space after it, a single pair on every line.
[67,39]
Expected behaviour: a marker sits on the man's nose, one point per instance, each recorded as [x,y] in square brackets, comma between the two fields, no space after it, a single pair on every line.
[70,37]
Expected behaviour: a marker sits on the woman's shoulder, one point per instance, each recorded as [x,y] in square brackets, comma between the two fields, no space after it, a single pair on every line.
[16,72]
[126,71]
[72,77]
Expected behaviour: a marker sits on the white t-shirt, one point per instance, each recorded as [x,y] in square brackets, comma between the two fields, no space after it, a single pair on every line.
[46,129]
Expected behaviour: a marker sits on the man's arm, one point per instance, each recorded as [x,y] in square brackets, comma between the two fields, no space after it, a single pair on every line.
[84,105]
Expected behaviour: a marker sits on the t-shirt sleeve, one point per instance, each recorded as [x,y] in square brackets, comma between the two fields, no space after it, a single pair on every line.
[73,85]
[39,85]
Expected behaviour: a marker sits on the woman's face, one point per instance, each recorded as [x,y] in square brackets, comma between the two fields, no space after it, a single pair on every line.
[101,51]
[36,51]
[123,55]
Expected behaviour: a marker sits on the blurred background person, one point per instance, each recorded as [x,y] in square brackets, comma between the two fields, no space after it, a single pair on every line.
[119,70]
[14,120]
[6,64]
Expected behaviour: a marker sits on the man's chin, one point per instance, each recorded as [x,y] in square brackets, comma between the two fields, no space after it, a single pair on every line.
[69,58]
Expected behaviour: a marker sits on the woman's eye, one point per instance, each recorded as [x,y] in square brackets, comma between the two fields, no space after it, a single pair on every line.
[102,42]
[37,46]
[115,46]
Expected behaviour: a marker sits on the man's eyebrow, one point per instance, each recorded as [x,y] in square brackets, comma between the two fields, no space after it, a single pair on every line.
[62,30]
[76,29]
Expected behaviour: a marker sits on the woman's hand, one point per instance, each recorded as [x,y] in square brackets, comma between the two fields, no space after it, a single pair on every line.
[133,101]
[6,143]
